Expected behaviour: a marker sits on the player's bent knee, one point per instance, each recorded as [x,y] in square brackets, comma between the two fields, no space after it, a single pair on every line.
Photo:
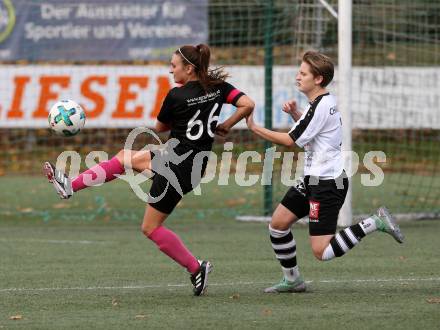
[280,223]
[120,156]
[126,157]
[146,231]
[276,225]
[148,228]
[318,252]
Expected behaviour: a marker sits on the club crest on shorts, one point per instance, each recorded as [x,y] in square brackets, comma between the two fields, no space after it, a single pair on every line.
[314,211]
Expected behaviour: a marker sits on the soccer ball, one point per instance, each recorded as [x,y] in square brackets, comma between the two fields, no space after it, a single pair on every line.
[66,118]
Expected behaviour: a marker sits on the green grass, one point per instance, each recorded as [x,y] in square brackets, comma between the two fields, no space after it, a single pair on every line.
[76,271]
[32,197]
[120,280]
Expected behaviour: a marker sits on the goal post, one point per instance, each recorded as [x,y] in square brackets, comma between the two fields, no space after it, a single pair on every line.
[344,98]
[268,104]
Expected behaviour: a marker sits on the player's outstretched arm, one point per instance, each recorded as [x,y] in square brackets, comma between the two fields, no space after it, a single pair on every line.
[245,106]
[275,137]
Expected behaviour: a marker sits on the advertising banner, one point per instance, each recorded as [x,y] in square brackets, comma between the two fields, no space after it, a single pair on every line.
[53,30]
[131,96]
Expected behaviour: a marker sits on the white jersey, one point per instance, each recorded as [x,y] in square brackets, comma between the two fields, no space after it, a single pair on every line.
[319,131]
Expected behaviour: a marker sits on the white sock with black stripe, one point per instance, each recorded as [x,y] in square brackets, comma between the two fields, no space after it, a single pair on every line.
[368,225]
[344,240]
[284,247]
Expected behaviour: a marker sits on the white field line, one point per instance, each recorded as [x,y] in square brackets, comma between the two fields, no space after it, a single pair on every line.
[52,241]
[150,286]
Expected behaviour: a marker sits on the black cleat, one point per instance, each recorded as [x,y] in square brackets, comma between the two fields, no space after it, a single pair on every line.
[200,279]
[60,181]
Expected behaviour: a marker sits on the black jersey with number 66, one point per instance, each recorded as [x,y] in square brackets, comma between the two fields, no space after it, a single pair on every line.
[193,113]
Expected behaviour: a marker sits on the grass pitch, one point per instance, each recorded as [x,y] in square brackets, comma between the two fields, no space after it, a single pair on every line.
[62,269]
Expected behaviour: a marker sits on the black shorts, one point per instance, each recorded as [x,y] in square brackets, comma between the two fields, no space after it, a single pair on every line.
[321,200]
[163,196]
[177,180]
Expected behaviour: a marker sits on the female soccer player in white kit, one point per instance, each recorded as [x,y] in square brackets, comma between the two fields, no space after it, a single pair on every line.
[319,131]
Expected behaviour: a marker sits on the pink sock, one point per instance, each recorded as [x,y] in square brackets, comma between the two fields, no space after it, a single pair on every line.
[98,174]
[170,244]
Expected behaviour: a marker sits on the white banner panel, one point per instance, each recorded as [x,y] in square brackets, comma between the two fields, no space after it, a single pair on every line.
[131,96]
[396,97]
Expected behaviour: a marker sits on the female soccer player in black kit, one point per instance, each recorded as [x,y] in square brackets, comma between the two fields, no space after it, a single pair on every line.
[191,113]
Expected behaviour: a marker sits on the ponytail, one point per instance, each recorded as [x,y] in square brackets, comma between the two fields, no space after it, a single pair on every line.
[199,56]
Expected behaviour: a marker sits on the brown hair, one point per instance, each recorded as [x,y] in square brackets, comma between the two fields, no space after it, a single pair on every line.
[199,56]
[320,65]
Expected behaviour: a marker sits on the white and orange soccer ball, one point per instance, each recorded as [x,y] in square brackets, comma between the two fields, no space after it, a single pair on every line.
[66,118]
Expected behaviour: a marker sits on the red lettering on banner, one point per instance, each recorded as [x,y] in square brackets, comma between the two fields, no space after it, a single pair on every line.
[314,211]
[126,95]
[20,83]
[93,90]
[163,87]
[94,96]
[47,94]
